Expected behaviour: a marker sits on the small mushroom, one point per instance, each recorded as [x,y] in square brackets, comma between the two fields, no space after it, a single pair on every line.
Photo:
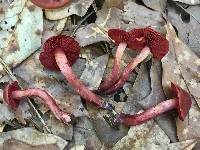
[181,101]
[59,53]
[121,38]
[50,4]
[12,95]
[155,43]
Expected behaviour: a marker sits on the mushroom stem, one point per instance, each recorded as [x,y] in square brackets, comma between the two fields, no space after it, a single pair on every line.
[129,68]
[47,99]
[114,75]
[79,87]
[132,120]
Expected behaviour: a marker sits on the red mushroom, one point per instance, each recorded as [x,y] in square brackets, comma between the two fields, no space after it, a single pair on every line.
[50,4]
[155,43]
[12,95]
[181,101]
[59,53]
[121,38]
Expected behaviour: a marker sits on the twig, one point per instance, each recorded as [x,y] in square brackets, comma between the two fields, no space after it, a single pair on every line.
[11,75]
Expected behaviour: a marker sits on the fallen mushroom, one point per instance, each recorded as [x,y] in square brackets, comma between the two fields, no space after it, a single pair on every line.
[50,4]
[121,38]
[155,43]
[12,95]
[59,53]
[181,101]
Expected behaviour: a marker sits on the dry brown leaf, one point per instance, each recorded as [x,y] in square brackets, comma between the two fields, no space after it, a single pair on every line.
[146,136]
[29,138]
[184,145]
[84,134]
[141,84]
[158,5]
[21,32]
[113,3]
[190,2]
[188,26]
[93,73]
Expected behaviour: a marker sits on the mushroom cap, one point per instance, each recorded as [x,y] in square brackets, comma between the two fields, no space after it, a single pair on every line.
[68,44]
[121,36]
[137,39]
[50,4]
[7,92]
[157,43]
[183,99]
[118,35]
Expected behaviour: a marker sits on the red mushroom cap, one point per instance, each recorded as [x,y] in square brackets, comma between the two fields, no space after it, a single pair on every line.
[70,47]
[118,35]
[184,101]
[7,92]
[158,44]
[137,39]
[50,4]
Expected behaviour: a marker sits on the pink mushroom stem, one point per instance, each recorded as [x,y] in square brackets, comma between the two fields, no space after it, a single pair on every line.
[47,99]
[130,67]
[132,120]
[79,87]
[114,75]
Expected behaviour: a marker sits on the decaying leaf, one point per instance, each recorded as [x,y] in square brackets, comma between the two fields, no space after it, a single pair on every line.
[60,25]
[76,7]
[188,26]
[60,129]
[142,84]
[84,134]
[5,113]
[139,16]
[10,14]
[158,5]
[93,73]
[182,63]
[109,136]
[78,147]
[184,145]
[113,3]
[190,2]
[23,36]
[28,137]
[194,12]
[146,136]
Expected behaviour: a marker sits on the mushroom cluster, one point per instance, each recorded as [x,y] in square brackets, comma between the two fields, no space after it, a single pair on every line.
[146,40]
[60,52]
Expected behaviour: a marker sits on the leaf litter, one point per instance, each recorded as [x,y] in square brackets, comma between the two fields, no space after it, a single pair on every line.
[23,29]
